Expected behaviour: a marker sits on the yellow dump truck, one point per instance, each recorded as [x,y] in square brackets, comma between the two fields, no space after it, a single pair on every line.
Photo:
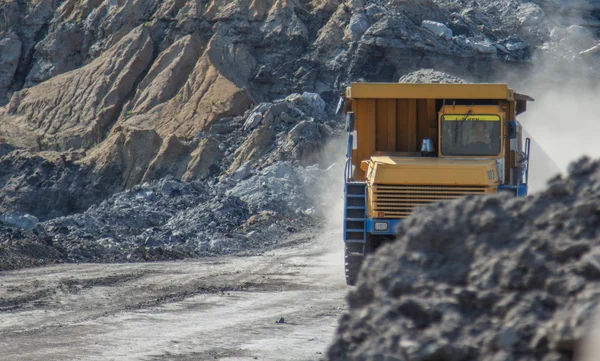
[414,144]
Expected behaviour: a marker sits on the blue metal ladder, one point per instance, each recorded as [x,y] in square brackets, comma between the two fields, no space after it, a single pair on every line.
[355,213]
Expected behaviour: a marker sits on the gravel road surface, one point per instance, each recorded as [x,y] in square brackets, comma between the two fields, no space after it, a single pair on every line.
[224,308]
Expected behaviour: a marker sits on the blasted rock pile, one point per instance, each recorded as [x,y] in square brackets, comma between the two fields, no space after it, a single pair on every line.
[483,278]
[170,219]
[430,76]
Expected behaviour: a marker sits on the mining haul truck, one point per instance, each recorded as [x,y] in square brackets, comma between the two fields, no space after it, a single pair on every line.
[410,145]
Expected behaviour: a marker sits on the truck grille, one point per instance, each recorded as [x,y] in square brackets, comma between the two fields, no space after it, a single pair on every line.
[398,201]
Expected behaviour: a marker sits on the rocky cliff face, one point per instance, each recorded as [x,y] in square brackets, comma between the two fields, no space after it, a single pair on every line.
[131,91]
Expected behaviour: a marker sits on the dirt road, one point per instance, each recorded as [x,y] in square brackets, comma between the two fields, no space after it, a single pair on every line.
[217,308]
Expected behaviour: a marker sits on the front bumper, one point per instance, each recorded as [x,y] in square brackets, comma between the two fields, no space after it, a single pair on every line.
[391,226]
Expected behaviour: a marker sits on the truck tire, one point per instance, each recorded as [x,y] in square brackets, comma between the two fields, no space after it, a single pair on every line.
[352,262]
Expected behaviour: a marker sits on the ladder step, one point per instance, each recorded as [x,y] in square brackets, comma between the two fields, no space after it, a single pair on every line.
[356,230]
[355,219]
[356,196]
[355,207]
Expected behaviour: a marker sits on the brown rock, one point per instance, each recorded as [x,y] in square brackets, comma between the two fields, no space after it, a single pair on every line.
[253,148]
[216,88]
[167,75]
[331,36]
[75,109]
[141,155]
[325,5]
[126,153]
[205,155]
[257,10]
[171,160]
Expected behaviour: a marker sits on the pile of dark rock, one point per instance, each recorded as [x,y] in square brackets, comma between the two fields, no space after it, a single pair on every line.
[171,219]
[483,278]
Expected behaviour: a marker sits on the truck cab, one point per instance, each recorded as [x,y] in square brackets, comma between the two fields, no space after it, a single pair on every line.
[410,145]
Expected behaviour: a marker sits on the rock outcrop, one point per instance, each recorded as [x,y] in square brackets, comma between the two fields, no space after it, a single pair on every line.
[10,53]
[76,109]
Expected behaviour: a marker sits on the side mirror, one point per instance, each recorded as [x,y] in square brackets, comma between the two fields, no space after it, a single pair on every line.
[364,165]
[512,130]
[350,122]
[340,105]
[427,148]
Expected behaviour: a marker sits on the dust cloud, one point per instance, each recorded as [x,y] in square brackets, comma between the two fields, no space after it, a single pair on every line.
[331,193]
[332,159]
[563,120]
[563,123]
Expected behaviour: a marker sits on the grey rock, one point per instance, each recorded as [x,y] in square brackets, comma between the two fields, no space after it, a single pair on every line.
[591,264]
[5,149]
[438,29]
[287,118]
[10,54]
[310,103]
[23,221]
[242,172]
[430,76]
[357,26]
[507,338]
[591,51]
[575,38]
[516,46]
[484,47]
[253,121]
[530,14]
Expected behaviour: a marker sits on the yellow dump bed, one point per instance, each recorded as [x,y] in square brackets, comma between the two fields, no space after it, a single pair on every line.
[396,117]
[428,91]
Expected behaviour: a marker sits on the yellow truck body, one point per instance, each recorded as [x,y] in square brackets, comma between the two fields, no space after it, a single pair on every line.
[476,148]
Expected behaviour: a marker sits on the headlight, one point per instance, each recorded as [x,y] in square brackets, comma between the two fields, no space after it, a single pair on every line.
[381,226]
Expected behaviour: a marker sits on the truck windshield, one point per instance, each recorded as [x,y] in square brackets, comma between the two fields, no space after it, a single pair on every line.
[470,135]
